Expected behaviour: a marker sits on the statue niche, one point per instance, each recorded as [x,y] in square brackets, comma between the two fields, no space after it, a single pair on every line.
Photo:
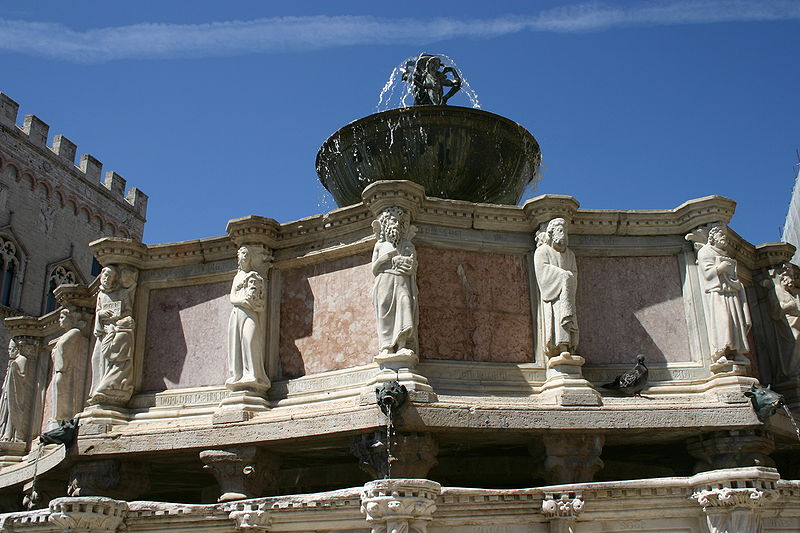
[112,358]
[557,278]
[784,309]
[724,300]
[17,394]
[69,365]
[394,294]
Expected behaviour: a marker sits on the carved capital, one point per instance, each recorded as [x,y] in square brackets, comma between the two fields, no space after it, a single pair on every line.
[87,515]
[562,505]
[250,518]
[412,454]
[572,458]
[254,230]
[731,449]
[727,497]
[546,207]
[115,250]
[109,478]
[391,505]
[241,471]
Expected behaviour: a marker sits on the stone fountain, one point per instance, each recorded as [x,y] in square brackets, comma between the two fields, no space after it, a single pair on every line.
[426,358]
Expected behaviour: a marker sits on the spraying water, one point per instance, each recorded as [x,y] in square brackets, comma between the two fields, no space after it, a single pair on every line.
[397,91]
[794,422]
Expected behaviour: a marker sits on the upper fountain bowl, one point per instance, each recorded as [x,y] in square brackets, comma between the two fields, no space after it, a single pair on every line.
[454,152]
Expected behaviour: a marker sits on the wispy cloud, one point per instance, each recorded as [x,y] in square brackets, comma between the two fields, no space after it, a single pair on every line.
[153,41]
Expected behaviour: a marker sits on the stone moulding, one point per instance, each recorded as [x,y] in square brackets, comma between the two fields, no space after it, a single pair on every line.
[651,504]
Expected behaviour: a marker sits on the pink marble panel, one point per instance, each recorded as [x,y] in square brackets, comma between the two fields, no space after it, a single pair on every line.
[327,318]
[185,343]
[631,305]
[47,403]
[474,306]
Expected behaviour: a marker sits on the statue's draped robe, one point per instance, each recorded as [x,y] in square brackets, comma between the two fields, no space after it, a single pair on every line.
[69,366]
[726,312]
[15,401]
[245,342]
[395,297]
[786,312]
[112,358]
[557,290]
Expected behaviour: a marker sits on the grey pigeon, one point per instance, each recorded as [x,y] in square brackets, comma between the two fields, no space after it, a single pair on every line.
[631,382]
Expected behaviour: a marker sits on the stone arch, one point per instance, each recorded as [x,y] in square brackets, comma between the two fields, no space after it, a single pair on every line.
[31,178]
[59,273]
[12,263]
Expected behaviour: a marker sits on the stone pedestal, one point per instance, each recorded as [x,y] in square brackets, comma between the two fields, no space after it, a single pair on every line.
[110,478]
[561,510]
[241,471]
[412,454]
[572,457]
[101,418]
[400,367]
[731,449]
[240,406]
[399,505]
[565,384]
[87,515]
[12,453]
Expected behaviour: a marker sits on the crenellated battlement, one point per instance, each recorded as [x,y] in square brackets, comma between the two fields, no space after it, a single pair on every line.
[90,168]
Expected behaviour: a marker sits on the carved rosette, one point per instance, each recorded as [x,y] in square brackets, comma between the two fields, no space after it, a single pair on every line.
[250,518]
[88,514]
[564,505]
[399,505]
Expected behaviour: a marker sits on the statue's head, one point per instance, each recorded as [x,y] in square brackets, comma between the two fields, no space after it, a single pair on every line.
[109,277]
[718,236]
[13,349]
[65,318]
[786,278]
[557,233]
[245,258]
[391,225]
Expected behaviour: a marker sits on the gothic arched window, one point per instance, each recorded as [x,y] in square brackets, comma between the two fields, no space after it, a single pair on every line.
[9,270]
[60,275]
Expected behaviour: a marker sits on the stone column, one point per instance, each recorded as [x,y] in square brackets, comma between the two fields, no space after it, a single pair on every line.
[248,355]
[87,515]
[562,510]
[399,505]
[731,449]
[242,472]
[110,478]
[572,458]
[413,454]
[402,201]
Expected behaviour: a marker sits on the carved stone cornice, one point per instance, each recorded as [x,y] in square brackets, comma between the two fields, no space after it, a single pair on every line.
[114,250]
[31,326]
[546,207]
[735,487]
[251,518]
[773,253]
[73,295]
[254,230]
[562,505]
[88,514]
[399,504]
[401,193]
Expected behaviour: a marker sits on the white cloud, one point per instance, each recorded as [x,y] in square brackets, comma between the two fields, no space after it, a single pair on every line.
[152,41]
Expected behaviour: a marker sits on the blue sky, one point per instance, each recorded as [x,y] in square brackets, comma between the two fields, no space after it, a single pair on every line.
[217,110]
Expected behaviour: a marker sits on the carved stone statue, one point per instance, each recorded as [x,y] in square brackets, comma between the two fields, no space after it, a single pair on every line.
[784,309]
[394,264]
[429,82]
[15,402]
[726,312]
[69,365]
[556,274]
[246,368]
[112,358]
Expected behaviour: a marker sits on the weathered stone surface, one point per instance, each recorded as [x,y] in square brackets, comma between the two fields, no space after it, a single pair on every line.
[411,454]
[111,478]
[185,340]
[474,306]
[327,319]
[572,457]
[241,471]
[731,449]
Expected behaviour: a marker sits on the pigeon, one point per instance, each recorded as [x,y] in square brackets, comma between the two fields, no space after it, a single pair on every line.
[631,382]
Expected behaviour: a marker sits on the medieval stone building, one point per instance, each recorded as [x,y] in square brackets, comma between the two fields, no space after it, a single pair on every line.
[50,210]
